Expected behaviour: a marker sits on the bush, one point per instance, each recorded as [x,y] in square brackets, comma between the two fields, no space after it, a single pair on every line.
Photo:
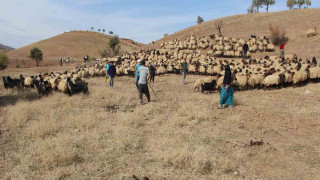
[277,36]
[3,61]
[113,42]
[200,20]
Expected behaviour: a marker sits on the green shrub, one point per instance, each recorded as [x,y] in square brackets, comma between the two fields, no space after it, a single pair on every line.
[3,61]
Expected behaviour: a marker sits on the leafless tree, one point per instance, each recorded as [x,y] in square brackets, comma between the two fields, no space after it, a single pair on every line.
[219,26]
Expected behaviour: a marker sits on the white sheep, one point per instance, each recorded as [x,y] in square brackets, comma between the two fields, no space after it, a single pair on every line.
[63,85]
[300,77]
[28,81]
[256,80]
[198,83]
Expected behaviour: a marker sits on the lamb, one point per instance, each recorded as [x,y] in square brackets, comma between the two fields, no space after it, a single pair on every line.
[198,83]
[312,32]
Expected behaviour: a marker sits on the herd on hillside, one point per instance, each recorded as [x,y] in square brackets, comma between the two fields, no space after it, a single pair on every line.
[268,72]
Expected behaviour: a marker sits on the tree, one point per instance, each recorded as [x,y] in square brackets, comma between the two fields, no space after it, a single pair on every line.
[103,30]
[92,28]
[268,3]
[257,4]
[166,34]
[110,32]
[200,20]
[308,3]
[251,9]
[99,30]
[291,3]
[219,27]
[3,61]
[300,3]
[36,54]
[113,42]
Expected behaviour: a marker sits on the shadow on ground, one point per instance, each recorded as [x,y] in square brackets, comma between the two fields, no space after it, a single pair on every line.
[11,99]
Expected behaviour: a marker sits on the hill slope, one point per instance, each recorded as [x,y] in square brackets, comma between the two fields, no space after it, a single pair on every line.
[4,48]
[294,22]
[71,44]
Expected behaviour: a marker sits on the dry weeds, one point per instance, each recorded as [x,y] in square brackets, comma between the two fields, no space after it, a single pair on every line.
[108,135]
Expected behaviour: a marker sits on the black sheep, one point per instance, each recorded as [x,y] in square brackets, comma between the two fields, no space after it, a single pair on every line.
[253,36]
[130,73]
[80,87]
[208,86]
[11,83]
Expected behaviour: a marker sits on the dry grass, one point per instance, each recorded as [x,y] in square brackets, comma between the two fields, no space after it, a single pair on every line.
[71,44]
[108,135]
[295,23]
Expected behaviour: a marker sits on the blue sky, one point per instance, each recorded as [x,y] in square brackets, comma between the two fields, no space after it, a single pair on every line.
[26,21]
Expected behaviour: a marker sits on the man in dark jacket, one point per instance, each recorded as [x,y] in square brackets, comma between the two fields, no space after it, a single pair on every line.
[152,70]
[111,73]
[245,50]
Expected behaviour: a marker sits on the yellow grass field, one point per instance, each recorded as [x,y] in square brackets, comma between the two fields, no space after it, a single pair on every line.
[109,135]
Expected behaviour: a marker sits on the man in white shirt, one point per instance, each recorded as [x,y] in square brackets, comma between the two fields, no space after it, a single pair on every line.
[143,81]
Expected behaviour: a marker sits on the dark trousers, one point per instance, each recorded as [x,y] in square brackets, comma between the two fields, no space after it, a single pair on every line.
[143,89]
[152,77]
[245,54]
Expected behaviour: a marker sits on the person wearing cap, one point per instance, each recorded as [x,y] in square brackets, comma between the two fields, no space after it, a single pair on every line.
[137,74]
[111,72]
[143,81]
[226,94]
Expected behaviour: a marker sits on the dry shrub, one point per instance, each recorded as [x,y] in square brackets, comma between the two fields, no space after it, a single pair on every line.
[277,36]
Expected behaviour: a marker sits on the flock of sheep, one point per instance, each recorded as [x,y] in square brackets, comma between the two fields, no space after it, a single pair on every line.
[266,72]
[45,84]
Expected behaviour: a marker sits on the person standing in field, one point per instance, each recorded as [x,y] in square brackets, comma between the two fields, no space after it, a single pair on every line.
[226,94]
[152,70]
[137,74]
[282,49]
[245,50]
[143,81]
[111,72]
[184,70]
[107,68]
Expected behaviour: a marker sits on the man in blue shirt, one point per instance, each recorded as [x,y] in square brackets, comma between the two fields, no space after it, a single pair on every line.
[143,81]
[111,72]
[137,74]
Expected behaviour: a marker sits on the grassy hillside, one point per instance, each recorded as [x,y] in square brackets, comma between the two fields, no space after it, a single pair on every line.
[71,44]
[294,22]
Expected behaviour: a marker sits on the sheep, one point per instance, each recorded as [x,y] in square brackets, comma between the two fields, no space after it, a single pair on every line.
[208,86]
[300,77]
[161,70]
[220,82]
[28,82]
[241,81]
[312,32]
[315,73]
[256,80]
[63,86]
[274,80]
[270,47]
[209,79]
[198,83]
